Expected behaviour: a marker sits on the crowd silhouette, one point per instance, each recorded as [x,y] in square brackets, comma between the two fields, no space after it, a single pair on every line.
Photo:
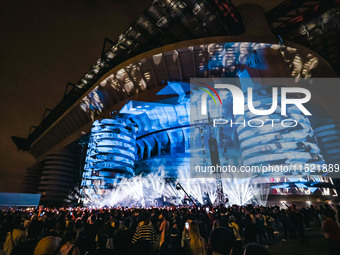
[168,230]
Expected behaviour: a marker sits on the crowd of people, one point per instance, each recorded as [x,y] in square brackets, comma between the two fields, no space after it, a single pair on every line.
[235,230]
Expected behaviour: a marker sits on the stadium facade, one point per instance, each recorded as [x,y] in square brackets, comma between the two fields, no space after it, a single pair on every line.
[130,115]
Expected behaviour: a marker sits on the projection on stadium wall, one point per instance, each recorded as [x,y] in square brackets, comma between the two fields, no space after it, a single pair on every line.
[268,135]
[138,140]
[261,127]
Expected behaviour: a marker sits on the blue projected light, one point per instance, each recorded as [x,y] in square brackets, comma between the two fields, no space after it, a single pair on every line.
[250,139]
[148,136]
[282,186]
[111,153]
[312,190]
[329,137]
[276,144]
[140,132]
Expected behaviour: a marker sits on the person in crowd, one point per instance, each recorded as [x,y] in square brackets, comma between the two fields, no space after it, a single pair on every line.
[34,231]
[216,224]
[332,232]
[221,241]
[236,230]
[15,236]
[172,245]
[69,247]
[106,230]
[90,233]
[50,228]
[123,237]
[250,226]
[285,221]
[306,216]
[163,229]
[261,227]
[192,240]
[269,220]
[102,245]
[300,225]
[255,249]
[49,245]
[144,238]
[78,226]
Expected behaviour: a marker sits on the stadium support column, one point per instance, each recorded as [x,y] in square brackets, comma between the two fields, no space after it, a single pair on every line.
[111,155]
[31,179]
[58,177]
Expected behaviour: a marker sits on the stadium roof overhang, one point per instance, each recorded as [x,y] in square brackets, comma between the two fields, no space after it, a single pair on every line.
[104,90]
[140,79]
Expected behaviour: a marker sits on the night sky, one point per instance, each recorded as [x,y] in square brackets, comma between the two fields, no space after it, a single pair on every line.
[43,45]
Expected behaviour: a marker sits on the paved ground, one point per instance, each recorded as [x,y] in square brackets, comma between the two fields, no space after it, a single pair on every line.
[316,245]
